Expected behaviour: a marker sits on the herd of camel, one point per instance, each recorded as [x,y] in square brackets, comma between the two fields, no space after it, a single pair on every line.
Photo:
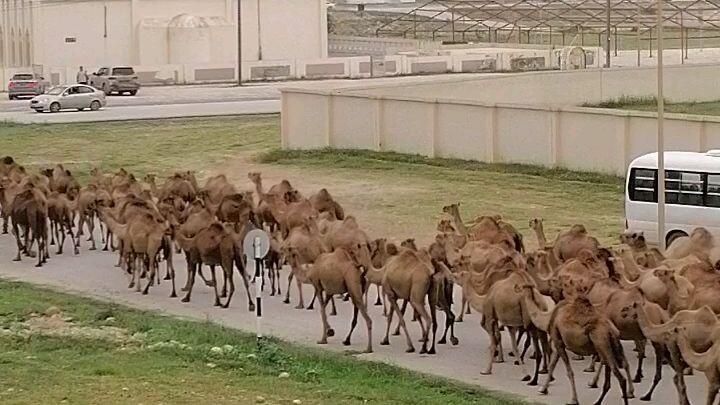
[569,295]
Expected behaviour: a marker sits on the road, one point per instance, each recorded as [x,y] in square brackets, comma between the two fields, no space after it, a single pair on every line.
[187,101]
[93,274]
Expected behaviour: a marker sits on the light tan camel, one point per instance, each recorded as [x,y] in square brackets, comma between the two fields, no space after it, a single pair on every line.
[333,274]
[60,215]
[707,362]
[693,298]
[322,201]
[487,228]
[699,243]
[218,187]
[536,224]
[569,243]
[308,245]
[409,276]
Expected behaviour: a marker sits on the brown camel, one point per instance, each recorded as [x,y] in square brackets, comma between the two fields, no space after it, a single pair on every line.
[29,215]
[333,274]
[486,228]
[308,245]
[536,224]
[216,245]
[322,201]
[60,215]
[693,298]
[218,187]
[699,243]
[569,243]
[577,326]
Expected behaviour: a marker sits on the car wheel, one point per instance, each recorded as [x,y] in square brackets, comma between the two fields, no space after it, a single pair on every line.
[95,105]
[55,107]
[133,92]
[11,97]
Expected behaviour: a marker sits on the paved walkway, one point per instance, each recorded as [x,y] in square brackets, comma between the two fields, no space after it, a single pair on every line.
[93,274]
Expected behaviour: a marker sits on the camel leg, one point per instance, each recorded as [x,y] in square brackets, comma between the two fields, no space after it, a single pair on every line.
[551,369]
[463,305]
[640,345]
[152,265]
[679,377]
[402,314]
[333,312]
[91,232]
[60,238]
[410,347]
[231,281]
[623,381]
[353,323]
[570,375]
[73,238]
[20,247]
[591,367]
[171,269]
[378,300]
[312,304]
[490,326]
[209,283]
[140,269]
[287,291]
[215,289]
[327,330]
[53,232]
[596,377]
[103,239]
[628,373]
[538,358]
[514,342]
[658,371]
[301,303]
[5,224]
[244,275]
[192,270]
[713,385]
[277,278]
[386,339]
[356,296]
[606,384]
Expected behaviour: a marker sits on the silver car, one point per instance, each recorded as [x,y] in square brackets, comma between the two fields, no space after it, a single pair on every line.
[26,84]
[75,96]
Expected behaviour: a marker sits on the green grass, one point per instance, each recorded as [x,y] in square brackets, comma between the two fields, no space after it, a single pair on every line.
[158,146]
[38,368]
[650,104]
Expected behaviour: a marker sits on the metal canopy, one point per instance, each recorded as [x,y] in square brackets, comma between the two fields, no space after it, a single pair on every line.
[587,16]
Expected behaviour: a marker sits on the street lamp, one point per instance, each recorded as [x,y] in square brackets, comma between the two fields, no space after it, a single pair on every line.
[660,131]
[239,42]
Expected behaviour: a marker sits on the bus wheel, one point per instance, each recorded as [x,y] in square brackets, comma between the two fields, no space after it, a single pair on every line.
[673,236]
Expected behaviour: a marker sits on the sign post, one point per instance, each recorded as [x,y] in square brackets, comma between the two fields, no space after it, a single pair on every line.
[256,246]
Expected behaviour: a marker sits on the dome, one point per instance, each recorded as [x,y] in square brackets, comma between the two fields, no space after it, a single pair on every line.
[187,21]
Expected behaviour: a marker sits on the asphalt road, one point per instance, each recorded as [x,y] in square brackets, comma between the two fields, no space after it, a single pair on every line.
[93,274]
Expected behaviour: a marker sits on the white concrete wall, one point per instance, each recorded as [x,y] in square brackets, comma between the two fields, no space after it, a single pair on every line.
[587,139]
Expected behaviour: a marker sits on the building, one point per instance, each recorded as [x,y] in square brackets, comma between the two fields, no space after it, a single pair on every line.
[63,34]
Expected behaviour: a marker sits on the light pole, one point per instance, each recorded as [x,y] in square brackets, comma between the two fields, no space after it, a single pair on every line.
[660,130]
[239,42]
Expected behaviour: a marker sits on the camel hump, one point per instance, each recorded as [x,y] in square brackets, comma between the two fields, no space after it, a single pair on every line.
[578,229]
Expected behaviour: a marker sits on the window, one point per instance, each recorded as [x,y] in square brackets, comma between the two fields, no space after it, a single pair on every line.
[123,71]
[684,188]
[712,198]
[84,90]
[642,185]
[22,76]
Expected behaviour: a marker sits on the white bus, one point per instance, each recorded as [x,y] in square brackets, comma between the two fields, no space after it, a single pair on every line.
[692,194]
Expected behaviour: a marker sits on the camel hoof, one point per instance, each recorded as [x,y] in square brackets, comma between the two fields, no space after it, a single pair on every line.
[299,306]
[17,259]
[630,396]
[186,299]
[377,303]
[322,342]
[286,301]
[385,342]
[458,320]
[543,391]
[589,370]
[485,372]
[410,349]
[526,378]
[92,248]
[333,313]
[38,265]
[346,342]
[431,351]
[454,341]
[184,289]
[217,304]
[173,295]
[532,384]
[637,379]
[210,284]
[442,341]
[543,371]
[396,333]
[105,249]
[645,398]
[167,277]
[592,385]
[516,362]
[144,293]
[331,332]
[251,307]
[370,350]
[76,251]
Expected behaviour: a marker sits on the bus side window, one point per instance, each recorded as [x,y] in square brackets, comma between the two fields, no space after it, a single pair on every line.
[642,186]
[713,190]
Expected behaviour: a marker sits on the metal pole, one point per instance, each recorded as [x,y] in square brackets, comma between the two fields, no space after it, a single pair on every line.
[607,35]
[639,45]
[682,41]
[258,289]
[239,42]
[660,131]
[650,47]
[616,42]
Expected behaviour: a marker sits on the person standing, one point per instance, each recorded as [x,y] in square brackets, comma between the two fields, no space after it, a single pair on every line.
[82,76]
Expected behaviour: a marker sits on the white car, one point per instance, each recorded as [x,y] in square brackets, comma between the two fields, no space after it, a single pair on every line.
[74,96]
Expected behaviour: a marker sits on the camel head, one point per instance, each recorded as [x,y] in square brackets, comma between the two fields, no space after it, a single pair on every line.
[292,196]
[255,177]
[409,243]
[8,160]
[536,224]
[446,226]
[664,274]
[451,209]
[391,249]
[634,239]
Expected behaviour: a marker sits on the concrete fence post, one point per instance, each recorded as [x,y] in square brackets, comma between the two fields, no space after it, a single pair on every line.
[284,121]
[330,118]
[379,124]
[624,134]
[702,137]
[555,138]
[492,135]
[434,129]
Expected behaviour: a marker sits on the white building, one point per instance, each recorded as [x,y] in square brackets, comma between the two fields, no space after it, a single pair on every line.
[63,34]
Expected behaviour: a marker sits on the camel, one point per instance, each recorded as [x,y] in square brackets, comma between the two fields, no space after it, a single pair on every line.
[60,215]
[409,276]
[216,245]
[177,185]
[700,274]
[322,201]
[486,228]
[345,234]
[29,214]
[8,191]
[218,187]
[700,243]
[308,245]
[577,326]
[680,298]
[194,222]
[536,224]
[262,208]
[332,274]
[570,242]
[708,362]
[62,180]
[86,210]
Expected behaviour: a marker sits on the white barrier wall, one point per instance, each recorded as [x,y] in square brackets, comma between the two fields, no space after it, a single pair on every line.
[586,139]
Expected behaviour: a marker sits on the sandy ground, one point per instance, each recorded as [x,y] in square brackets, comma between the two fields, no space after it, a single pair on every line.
[93,274]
